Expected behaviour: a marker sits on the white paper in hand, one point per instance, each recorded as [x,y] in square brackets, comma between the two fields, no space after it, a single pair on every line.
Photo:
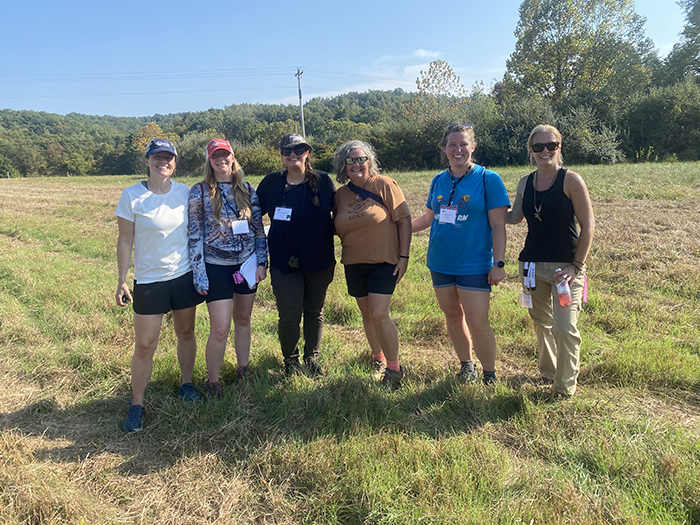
[248,270]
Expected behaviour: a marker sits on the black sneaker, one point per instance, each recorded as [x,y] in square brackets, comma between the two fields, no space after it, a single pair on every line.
[489,380]
[134,419]
[291,366]
[242,373]
[213,390]
[392,379]
[313,367]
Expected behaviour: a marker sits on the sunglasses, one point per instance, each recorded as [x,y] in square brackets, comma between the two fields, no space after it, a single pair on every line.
[453,126]
[298,150]
[359,160]
[539,147]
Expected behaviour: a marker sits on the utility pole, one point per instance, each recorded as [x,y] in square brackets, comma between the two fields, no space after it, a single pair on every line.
[301,107]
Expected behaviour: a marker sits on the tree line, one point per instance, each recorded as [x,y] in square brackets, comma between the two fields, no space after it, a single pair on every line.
[584,66]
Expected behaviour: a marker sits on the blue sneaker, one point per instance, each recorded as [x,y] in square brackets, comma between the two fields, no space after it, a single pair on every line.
[188,394]
[133,419]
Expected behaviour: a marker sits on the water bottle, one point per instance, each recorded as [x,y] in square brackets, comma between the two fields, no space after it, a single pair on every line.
[564,291]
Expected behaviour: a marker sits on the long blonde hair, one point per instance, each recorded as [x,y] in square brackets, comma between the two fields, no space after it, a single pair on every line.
[240,190]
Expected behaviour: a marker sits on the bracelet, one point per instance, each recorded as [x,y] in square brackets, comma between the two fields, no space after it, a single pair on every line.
[578,269]
[403,257]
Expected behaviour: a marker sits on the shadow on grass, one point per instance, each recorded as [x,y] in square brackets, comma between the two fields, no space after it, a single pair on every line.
[268,408]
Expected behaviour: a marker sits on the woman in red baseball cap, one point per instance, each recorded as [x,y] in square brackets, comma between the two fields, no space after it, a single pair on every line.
[228,252]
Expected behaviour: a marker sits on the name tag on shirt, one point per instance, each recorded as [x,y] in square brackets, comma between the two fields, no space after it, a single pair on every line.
[239,227]
[283,214]
[525,300]
[448,216]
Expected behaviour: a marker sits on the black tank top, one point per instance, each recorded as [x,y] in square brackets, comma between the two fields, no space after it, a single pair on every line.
[555,237]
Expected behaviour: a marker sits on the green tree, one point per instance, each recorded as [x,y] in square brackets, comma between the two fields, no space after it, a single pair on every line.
[149,132]
[78,165]
[568,47]
[439,90]
[6,168]
[684,58]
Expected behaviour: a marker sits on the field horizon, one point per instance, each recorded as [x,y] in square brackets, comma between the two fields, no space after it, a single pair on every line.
[339,449]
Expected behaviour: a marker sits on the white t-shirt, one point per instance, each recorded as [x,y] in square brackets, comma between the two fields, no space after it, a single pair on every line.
[160,233]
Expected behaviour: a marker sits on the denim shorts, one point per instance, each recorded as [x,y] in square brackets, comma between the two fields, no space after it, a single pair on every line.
[477,283]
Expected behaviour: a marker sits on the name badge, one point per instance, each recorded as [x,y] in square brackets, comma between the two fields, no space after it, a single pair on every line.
[239,227]
[448,216]
[525,300]
[283,214]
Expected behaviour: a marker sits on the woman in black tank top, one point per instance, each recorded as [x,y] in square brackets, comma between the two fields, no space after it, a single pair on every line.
[557,207]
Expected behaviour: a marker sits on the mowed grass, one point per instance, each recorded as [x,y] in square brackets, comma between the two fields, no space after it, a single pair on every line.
[340,449]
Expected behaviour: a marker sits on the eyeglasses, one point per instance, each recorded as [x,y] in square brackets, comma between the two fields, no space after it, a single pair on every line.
[359,160]
[298,150]
[453,126]
[539,147]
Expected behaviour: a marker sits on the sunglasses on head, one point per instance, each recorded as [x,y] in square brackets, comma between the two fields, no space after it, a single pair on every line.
[539,147]
[453,126]
[298,150]
[359,160]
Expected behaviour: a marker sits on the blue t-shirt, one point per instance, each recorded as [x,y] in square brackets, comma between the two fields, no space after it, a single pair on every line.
[465,247]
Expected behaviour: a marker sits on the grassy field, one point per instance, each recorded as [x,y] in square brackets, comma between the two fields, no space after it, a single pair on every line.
[340,449]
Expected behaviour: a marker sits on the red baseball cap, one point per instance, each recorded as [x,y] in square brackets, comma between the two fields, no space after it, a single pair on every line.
[218,144]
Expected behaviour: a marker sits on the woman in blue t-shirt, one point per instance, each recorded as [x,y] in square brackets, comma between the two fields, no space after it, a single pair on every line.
[466,212]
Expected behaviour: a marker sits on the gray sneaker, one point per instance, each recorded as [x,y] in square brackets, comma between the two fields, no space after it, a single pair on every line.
[392,379]
[467,375]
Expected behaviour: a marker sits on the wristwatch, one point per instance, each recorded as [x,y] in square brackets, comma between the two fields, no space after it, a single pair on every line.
[500,264]
[263,264]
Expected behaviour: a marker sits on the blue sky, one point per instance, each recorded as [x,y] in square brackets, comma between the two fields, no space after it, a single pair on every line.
[133,58]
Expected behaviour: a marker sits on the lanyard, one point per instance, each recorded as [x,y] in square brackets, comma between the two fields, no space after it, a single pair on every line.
[454,187]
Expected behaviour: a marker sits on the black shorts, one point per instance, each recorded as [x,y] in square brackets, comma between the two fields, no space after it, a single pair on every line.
[163,296]
[364,279]
[222,285]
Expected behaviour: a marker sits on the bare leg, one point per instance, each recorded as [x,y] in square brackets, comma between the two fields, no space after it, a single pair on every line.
[476,312]
[449,302]
[183,322]
[374,346]
[147,331]
[242,310]
[384,327]
[220,328]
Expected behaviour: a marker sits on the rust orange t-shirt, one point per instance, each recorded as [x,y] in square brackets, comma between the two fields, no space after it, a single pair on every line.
[367,230]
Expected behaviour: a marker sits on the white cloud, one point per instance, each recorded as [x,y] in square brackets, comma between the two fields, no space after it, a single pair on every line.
[426,54]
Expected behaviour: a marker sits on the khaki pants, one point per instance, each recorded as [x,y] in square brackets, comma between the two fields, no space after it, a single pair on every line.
[558,338]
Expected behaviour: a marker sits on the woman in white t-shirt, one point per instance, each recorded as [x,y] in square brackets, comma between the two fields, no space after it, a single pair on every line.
[152,218]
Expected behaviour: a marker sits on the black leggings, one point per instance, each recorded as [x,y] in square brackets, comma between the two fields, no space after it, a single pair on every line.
[297,293]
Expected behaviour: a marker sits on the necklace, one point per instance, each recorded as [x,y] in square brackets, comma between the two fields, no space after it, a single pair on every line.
[538,209]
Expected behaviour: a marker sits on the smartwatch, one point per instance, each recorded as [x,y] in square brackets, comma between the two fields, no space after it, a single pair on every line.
[500,264]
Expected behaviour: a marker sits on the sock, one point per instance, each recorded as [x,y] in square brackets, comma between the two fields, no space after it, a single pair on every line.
[393,365]
[469,365]
[489,374]
[380,357]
